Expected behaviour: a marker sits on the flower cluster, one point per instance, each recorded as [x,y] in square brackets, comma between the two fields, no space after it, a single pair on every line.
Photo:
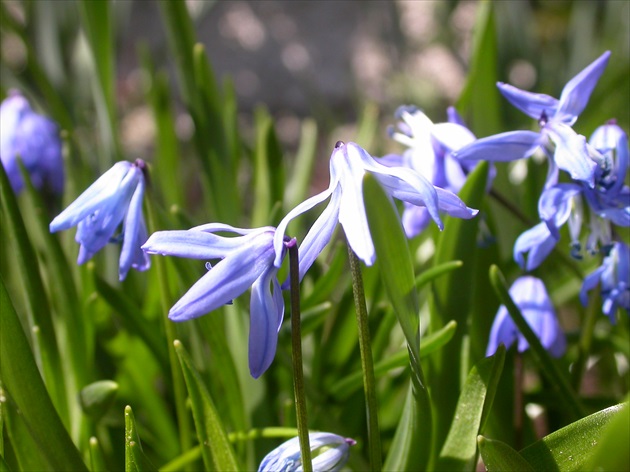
[32,138]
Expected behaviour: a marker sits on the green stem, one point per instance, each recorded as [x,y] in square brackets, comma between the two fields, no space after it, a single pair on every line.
[367,363]
[586,339]
[296,350]
[179,387]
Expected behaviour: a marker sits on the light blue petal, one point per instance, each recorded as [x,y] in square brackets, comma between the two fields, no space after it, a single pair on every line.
[228,279]
[577,91]
[278,240]
[391,160]
[554,205]
[192,244]
[571,153]
[532,104]
[265,315]
[320,233]
[415,219]
[590,282]
[452,136]
[503,331]
[453,116]
[102,191]
[222,227]
[503,147]
[537,242]
[451,204]
[135,234]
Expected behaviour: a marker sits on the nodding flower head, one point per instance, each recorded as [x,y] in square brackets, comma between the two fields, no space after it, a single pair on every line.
[111,203]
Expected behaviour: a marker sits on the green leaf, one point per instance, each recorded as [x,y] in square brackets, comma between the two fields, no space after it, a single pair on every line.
[546,363]
[97,461]
[96,398]
[38,310]
[433,273]
[135,459]
[396,270]
[479,101]
[24,385]
[217,452]
[498,456]
[451,299]
[460,449]
[576,445]
[611,452]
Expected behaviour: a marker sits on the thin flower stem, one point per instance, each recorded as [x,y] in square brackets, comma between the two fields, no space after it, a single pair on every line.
[586,339]
[296,350]
[367,363]
[179,387]
[518,400]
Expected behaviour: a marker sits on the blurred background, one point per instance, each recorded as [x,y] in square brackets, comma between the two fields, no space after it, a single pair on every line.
[324,60]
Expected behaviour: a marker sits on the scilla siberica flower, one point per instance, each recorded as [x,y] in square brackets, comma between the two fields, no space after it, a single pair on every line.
[429,153]
[348,165]
[246,260]
[555,117]
[614,277]
[530,296]
[115,199]
[32,138]
[608,200]
[330,453]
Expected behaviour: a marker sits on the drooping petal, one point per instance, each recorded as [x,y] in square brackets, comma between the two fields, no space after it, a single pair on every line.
[537,243]
[415,219]
[503,331]
[320,233]
[192,244]
[451,204]
[228,279]
[135,234]
[532,104]
[298,210]
[501,147]
[102,190]
[453,116]
[554,205]
[577,91]
[265,317]
[571,153]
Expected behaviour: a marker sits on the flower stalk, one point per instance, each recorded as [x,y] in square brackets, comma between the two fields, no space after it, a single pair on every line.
[296,354]
[367,363]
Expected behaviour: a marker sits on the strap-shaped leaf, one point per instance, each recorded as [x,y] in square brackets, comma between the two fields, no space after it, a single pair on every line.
[413,436]
[571,448]
[498,456]
[217,452]
[460,449]
[21,379]
[135,459]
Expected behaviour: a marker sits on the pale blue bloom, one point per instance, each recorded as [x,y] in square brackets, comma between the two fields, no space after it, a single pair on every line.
[429,153]
[246,260]
[115,199]
[348,165]
[614,277]
[34,139]
[329,453]
[555,117]
[530,296]
[608,200]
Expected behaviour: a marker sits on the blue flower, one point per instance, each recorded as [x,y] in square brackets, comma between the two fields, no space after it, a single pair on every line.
[614,277]
[348,165]
[555,117]
[330,453]
[246,260]
[530,296]
[429,153]
[114,199]
[608,200]
[32,138]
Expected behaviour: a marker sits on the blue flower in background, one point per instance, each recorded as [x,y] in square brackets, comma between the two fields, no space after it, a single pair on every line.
[114,199]
[32,138]
[348,165]
[614,277]
[430,147]
[330,453]
[555,117]
[608,201]
[530,295]
[246,260]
